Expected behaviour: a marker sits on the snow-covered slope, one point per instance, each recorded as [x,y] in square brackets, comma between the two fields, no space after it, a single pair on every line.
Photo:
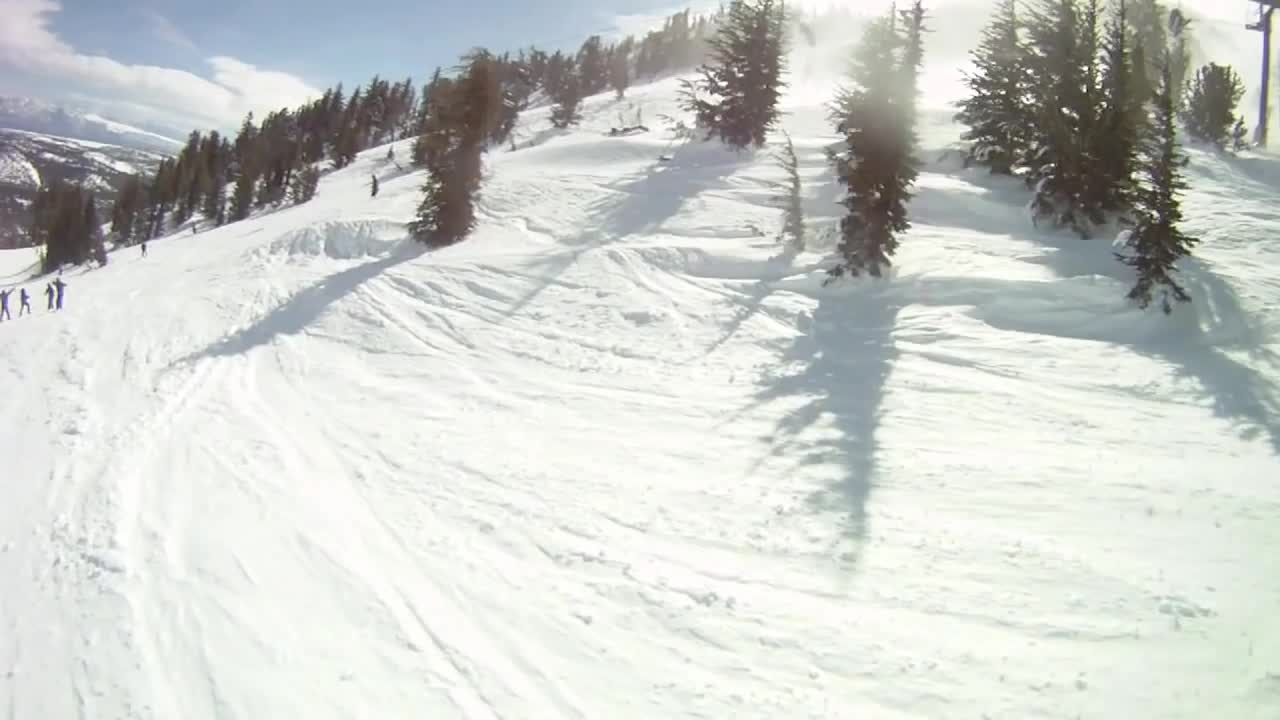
[27,159]
[616,457]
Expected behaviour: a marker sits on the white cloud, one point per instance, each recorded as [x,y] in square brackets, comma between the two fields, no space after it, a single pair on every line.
[28,45]
[164,29]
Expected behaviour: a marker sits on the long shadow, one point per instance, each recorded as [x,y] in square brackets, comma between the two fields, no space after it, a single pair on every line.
[1241,394]
[656,196]
[304,307]
[839,369]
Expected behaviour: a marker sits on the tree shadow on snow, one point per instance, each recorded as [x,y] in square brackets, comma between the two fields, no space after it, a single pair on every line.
[304,307]
[651,199]
[838,371]
[1239,393]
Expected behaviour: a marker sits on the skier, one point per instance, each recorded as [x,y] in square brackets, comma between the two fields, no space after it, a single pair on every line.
[59,286]
[48,293]
[144,248]
[26,302]
[4,304]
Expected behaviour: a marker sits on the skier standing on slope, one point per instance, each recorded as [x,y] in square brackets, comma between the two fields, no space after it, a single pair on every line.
[4,304]
[59,286]
[26,302]
[48,293]
[144,248]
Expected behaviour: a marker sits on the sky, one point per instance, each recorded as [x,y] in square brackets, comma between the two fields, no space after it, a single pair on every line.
[178,64]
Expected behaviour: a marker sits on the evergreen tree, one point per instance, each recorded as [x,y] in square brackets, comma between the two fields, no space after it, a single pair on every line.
[593,67]
[242,196]
[877,115]
[303,186]
[1156,243]
[567,97]
[1065,96]
[126,211]
[1212,97]
[92,240]
[793,232]
[744,79]
[1179,55]
[620,67]
[454,144]
[1122,117]
[998,112]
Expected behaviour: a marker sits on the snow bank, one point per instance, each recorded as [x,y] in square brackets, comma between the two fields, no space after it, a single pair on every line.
[340,239]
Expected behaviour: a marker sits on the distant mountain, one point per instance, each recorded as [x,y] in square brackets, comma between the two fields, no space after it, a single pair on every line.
[28,159]
[18,113]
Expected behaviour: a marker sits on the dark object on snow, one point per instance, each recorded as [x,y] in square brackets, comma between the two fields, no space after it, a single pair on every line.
[48,293]
[25,297]
[60,287]
[630,130]
[144,248]
[4,304]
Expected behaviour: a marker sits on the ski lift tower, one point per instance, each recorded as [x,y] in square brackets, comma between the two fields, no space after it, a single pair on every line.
[1265,8]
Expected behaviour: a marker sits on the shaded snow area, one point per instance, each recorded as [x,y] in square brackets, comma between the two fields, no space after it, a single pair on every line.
[616,457]
[17,170]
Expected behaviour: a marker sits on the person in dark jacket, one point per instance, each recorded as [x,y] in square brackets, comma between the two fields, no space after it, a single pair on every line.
[48,293]
[4,304]
[25,297]
[60,287]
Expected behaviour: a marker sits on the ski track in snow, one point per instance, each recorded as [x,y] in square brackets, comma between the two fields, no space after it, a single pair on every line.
[616,456]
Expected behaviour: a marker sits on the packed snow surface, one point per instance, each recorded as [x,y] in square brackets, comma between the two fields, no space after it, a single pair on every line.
[617,456]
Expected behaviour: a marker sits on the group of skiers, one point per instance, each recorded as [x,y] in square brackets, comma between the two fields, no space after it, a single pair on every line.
[53,291]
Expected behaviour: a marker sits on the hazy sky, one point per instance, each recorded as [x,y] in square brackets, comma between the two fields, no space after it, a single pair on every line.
[184,63]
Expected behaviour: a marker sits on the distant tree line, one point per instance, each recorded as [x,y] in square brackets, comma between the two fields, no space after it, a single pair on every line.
[279,158]
[65,225]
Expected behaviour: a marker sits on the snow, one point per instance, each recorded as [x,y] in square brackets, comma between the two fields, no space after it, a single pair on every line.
[616,456]
[16,169]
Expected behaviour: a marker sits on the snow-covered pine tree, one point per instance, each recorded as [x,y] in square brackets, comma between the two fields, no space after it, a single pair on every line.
[1211,100]
[242,195]
[743,81]
[1155,242]
[997,111]
[793,232]
[1122,117]
[876,113]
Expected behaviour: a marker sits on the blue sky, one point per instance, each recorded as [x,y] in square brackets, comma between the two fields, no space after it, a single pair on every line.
[325,41]
[186,63]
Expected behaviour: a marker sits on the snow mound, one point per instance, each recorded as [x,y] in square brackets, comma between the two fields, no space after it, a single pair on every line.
[340,240]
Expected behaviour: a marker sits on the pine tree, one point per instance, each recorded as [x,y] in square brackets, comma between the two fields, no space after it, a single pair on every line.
[793,231]
[1179,55]
[242,196]
[454,143]
[998,111]
[1212,97]
[877,115]
[92,241]
[567,98]
[1156,242]
[1065,96]
[620,67]
[303,185]
[593,67]
[1123,115]
[744,81]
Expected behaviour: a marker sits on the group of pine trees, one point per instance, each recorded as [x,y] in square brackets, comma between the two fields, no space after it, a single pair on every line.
[1083,100]
[65,224]
[224,179]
